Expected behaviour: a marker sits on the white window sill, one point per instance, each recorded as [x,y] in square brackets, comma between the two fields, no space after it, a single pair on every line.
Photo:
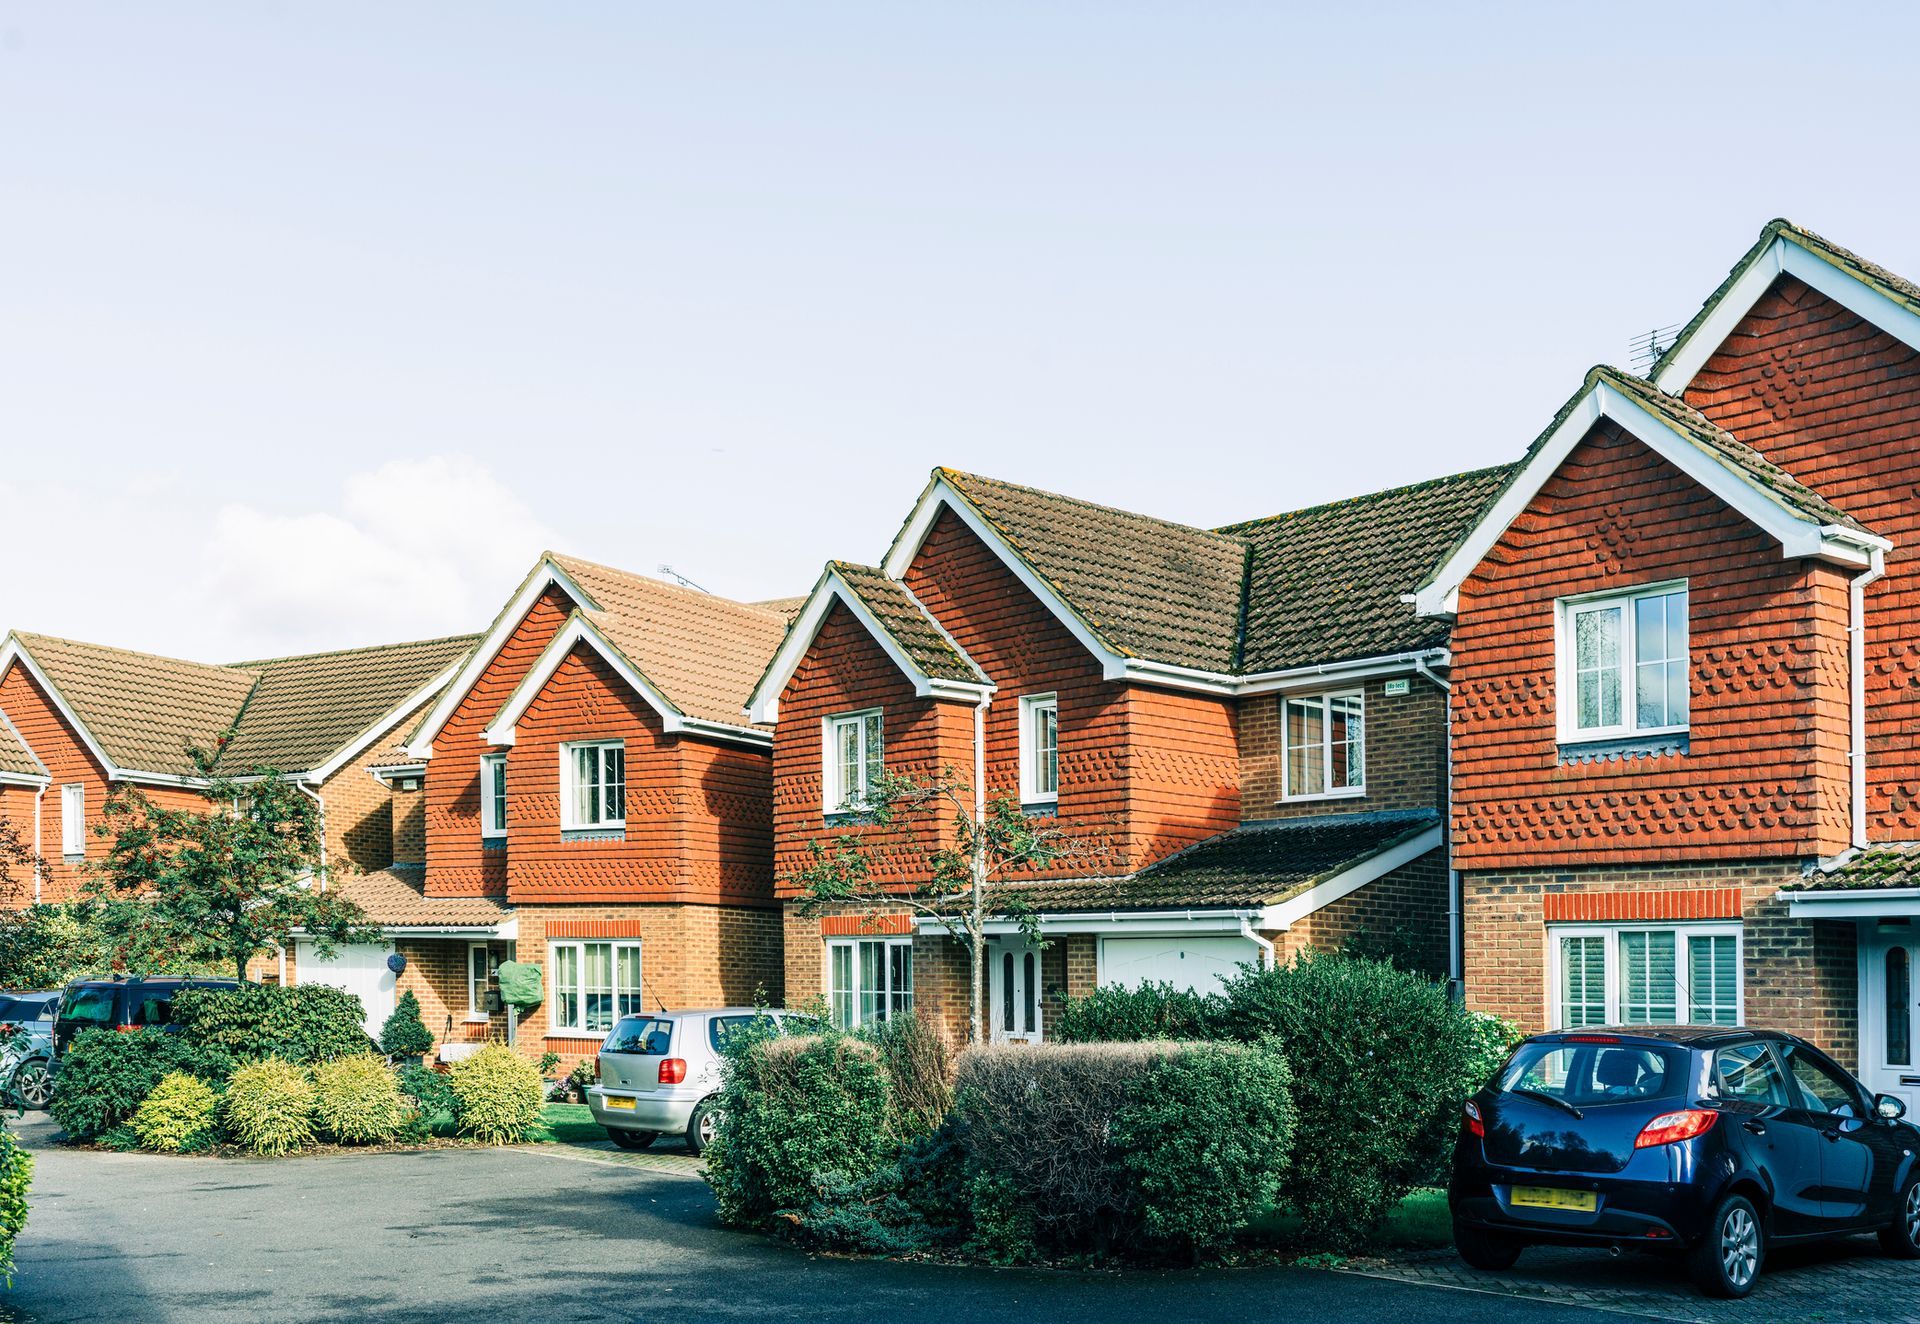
[1613,734]
[576,1034]
[1349,793]
[611,825]
[476,1018]
[493,836]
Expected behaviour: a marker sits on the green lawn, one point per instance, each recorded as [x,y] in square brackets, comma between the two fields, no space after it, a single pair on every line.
[1420,1220]
[566,1124]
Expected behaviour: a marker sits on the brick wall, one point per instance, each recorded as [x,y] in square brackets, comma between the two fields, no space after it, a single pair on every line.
[1404,750]
[409,818]
[361,831]
[1402,914]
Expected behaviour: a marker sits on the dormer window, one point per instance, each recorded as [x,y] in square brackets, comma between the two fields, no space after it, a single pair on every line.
[1623,663]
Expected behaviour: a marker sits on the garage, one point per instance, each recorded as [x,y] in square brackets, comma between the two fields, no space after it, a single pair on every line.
[1198,963]
[359,968]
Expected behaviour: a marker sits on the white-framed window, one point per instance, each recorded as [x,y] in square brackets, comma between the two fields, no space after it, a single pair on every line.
[869,979]
[1642,974]
[1622,660]
[593,784]
[493,795]
[854,756]
[1323,739]
[594,985]
[1039,749]
[73,820]
[482,966]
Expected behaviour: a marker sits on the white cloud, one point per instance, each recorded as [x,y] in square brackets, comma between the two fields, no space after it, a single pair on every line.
[416,548]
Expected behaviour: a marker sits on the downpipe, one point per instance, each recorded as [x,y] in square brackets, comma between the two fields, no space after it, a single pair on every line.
[1456,908]
[1857,691]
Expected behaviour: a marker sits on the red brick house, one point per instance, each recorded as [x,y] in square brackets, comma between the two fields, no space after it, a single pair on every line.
[1249,721]
[588,796]
[1685,757]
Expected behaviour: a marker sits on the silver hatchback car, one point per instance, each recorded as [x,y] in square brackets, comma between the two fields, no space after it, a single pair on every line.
[659,1074]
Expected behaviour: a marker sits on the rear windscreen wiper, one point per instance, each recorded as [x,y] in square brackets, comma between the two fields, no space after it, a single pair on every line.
[1543,1097]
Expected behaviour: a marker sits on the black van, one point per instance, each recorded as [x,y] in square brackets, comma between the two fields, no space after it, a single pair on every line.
[121,1004]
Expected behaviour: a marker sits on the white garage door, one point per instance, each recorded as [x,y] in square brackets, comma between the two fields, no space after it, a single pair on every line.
[358,968]
[1196,963]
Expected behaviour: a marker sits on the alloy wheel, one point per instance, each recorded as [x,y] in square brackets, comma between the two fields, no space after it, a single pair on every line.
[709,1126]
[1740,1244]
[35,1084]
[1913,1213]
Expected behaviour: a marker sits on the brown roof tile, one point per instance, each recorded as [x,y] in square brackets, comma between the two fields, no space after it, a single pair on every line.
[704,653]
[394,897]
[909,623]
[15,757]
[1888,864]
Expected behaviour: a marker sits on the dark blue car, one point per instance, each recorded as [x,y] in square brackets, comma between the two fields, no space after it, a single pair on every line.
[1704,1141]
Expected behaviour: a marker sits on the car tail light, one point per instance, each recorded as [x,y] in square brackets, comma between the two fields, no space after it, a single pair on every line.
[1670,1127]
[1590,1039]
[1474,1124]
[596,1066]
[673,1070]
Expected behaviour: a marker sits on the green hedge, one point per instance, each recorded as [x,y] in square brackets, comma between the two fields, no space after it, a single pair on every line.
[16,1175]
[179,1115]
[105,1076]
[298,1023]
[1113,1014]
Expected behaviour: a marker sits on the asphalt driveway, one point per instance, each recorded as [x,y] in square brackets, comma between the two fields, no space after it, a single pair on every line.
[554,1234]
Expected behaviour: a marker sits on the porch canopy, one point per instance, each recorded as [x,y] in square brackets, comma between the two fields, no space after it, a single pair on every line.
[1883,880]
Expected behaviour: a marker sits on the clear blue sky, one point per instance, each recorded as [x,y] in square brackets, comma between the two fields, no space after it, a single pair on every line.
[317,320]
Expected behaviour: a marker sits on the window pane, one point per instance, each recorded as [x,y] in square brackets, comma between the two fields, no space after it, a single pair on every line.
[1006,991]
[1647,979]
[1583,977]
[1027,1008]
[597,980]
[1749,1074]
[1046,768]
[1677,706]
[499,794]
[585,784]
[1899,1009]
[842,985]
[1713,980]
[900,969]
[1650,630]
[613,775]
[1306,747]
[566,984]
[1344,722]
[847,742]
[628,999]
[875,753]
[1596,636]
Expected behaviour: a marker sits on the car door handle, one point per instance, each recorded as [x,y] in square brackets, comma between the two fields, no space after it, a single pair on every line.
[1758,1128]
[1831,1134]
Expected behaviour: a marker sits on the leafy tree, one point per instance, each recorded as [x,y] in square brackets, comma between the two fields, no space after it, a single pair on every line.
[19,862]
[992,843]
[221,884]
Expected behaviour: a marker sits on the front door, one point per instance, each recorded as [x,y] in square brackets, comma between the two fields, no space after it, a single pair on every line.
[1890,1015]
[1013,990]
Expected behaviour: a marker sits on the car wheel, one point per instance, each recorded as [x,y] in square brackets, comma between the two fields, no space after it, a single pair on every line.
[703,1126]
[34,1083]
[1485,1249]
[633,1139]
[1901,1237]
[1728,1259]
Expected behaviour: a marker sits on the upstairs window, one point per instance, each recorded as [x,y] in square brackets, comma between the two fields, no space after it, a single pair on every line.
[493,795]
[1623,663]
[593,785]
[1039,749]
[855,758]
[73,820]
[1324,739]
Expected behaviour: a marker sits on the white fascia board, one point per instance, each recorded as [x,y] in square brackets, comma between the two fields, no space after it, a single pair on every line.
[1330,890]
[1113,922]
[1789,257]
[507,928]
[536,583]
[358,745]
[765,704]
[1797,536]
[1854,902]
[1335,673]
[12,652]
[37,780]
[579,630]
[941,494]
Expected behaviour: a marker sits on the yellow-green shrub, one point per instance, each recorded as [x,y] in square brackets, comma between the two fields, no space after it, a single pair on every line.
[179,1115]
[357,1101]
[499,1094]
[269,1107]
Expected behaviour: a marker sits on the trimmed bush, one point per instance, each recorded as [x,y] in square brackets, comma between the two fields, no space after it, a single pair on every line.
[1379,1059]
[105,1076]
[16,1175]
[919,1067]
[178,1116]
[268,1107]
[405,1034]
[916,1203]
[1205,1137]
[357,1101]
[297,1023]
[797,1108]
[1113,1014]
[499,1094]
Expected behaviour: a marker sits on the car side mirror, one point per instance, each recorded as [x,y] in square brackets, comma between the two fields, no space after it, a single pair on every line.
[1889,1107]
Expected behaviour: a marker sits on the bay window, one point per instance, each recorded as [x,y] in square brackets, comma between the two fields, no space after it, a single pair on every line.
[1623,663]
[854,758]
[594,985]
[1323,739]
[593,784]
[869,979]
[1641,975]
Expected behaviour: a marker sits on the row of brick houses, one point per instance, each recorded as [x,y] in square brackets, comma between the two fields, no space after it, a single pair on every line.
[1622,731]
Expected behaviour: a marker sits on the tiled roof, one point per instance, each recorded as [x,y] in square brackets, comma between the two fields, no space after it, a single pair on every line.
[1326,582]
[1261,865]
[144,710]
[15,757]
[394,897]
[306,709]
[1890,864]
[909,623]
[1149,588]
[704,653]
[787,607]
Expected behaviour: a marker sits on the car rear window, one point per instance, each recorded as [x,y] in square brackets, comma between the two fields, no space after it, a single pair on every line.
[1585,1074]
[722,1028]
[648,1036]
[89,1006]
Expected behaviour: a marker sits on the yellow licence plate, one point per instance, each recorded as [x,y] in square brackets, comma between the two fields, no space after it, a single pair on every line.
[615,1101]
[1553,1197]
